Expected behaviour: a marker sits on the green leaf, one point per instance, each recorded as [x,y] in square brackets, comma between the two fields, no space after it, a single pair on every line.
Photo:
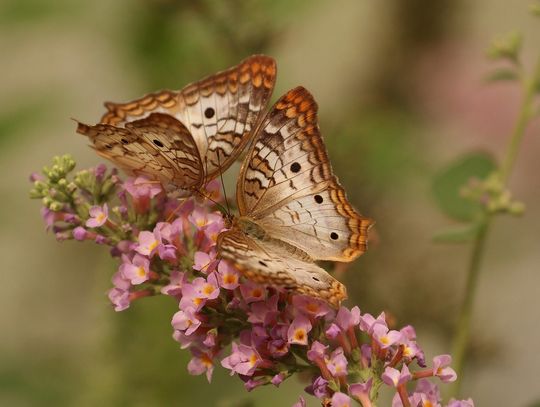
[456,234]
[449,182]
[502,75]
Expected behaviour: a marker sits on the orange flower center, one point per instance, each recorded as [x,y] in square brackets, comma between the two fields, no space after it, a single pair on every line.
[312,307]
[230,278]
[300,335]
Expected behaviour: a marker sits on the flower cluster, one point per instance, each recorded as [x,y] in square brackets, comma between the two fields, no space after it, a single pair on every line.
[166,246]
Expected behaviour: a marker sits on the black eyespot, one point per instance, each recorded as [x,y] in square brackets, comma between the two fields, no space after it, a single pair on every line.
[334,235]
[295,167]
[209,113]
[124,141]
[315,278]
[262,263]
[318,199]
[108,146]
[158,143]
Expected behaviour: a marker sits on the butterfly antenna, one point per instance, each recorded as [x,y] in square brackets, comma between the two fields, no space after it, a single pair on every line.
[220,207]
[169,218]
[223,185]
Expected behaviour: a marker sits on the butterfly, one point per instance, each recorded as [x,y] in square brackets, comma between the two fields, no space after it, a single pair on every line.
[293,211]
[185,139]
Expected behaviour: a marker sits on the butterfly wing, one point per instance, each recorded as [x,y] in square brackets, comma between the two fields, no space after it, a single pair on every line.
[158,147]
[220,111]
[268,263]
[287,185]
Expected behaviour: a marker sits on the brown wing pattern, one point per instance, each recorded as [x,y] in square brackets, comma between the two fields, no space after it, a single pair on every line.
[269,263]
[158,147]
[221,111]
[287,185]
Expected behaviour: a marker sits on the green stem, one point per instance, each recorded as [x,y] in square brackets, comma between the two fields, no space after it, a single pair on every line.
[463,328]
[530,89]
[461,339]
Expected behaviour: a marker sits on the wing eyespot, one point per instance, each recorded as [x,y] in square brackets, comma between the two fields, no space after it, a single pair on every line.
[262,263]
[209,112]
[109,146]
[295,167]
[334,236]
[124,140]
[157,143]
[319,199]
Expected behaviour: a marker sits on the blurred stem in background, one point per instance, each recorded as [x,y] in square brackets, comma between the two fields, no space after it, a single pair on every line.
[507,49]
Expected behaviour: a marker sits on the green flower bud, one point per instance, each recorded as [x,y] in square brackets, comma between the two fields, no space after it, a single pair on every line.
[56,206]
[506,48]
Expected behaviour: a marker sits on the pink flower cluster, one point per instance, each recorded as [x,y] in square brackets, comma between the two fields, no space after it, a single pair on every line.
[168,247]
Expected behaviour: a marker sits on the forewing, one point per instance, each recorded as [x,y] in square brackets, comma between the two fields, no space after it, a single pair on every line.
[287,185]
[268,264]
[158,147]
[221,111]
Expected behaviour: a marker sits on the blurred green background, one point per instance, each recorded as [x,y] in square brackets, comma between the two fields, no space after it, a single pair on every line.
[399,85]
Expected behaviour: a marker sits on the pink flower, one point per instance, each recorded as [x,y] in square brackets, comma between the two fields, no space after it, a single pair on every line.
[384,337]
[300,403]
[200,218]
[310,306]
[442,370]
[98,216]
[368,322]
[79,233]
[317,351]
[204,262]
[341,400]
[207,288]
[346,319]
[337,364]
[186,321]
[201,363]
[278,348]
[119,298]
[298,330]
[137,270]
[243,360]
[425,394]
[191,298]
[252,292]
[142,188]
[148,243]
[393,377]
[333,331]
[360,391]
[277,379]
[264,312]
[229,276]
[176,281]
[319,388]
[119,281]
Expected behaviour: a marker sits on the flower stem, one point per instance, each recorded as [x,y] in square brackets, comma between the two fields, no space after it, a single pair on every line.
[461,338]
[530,89]
[463,327]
